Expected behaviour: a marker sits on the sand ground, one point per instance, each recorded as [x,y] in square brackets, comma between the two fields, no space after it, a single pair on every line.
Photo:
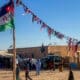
[44,75]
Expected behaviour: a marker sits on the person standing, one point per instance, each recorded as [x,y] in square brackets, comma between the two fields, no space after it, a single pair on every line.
[27,76]
[38,66]
[71,76]
[17,72]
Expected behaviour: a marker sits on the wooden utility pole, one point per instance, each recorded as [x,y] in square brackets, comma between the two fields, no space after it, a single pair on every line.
[14,56]
[14,49]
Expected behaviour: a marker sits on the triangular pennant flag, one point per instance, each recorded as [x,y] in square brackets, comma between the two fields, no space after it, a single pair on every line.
[34,18]
[39,21]
[59,35]
[50,31]
[43,25]
[74,47]
[18,2]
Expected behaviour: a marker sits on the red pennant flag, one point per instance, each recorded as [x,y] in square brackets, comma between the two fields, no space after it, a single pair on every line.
[27,10]
[43,25]
[50,31]
[74,47]
[35,18]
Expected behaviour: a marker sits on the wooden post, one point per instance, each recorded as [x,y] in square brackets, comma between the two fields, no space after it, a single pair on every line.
[14,56]
[14,50]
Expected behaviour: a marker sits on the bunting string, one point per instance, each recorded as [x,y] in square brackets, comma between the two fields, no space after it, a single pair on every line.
[50,31]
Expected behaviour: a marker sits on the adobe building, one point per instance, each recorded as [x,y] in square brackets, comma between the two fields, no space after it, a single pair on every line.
[57,50]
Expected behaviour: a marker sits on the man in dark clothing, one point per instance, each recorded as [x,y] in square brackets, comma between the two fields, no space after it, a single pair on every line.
[71,76]
[27,72]
[17,72]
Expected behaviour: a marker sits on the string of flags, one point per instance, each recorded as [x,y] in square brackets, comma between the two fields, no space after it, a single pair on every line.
[35,18]
[71,41]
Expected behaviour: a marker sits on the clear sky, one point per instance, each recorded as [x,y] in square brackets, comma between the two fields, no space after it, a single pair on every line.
[61,15]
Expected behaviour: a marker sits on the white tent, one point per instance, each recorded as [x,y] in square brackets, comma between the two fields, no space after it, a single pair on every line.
[5,54]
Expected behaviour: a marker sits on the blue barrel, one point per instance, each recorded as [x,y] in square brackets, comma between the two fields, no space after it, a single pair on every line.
[73,65]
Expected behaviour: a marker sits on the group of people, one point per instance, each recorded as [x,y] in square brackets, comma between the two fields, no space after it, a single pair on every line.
[38,68]
[27,69]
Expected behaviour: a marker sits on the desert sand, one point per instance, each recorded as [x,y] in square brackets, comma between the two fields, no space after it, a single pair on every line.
[44,75]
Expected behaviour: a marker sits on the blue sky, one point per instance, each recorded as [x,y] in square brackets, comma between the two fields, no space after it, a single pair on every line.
[61,15]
